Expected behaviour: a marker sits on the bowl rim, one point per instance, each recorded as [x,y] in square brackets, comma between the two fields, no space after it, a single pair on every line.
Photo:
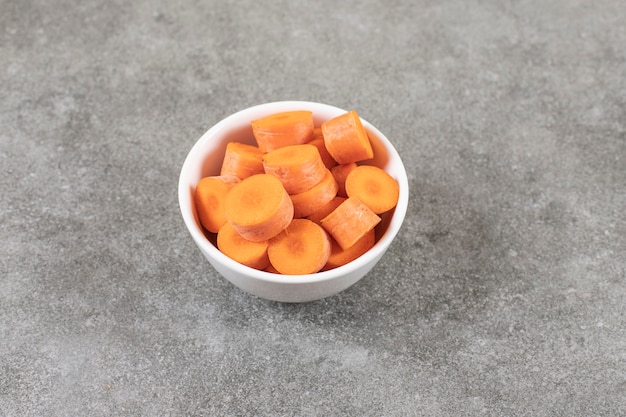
[207,247]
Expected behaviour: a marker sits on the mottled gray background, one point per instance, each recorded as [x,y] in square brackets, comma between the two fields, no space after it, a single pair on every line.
[503,295]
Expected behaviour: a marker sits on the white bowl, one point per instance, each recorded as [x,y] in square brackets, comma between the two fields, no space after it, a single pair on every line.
[205,159]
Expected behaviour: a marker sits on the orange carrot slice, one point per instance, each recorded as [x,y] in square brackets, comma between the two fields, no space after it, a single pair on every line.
[302,248]
[308,201]
[339,256]
[374,187]
[246,252]
[209,200]
[298,167]
[283,129]
[327,158]
[325,210]
[346,138]
[258,207]
[340,172]
[242,160]
[350,222]
[299,194]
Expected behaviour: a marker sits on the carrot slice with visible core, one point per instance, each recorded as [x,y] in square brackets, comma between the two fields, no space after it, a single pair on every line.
[340,172]
[258,207]
[242,160]
[283,129]
[307,202]
[339,256]
[374,187]
[346,138]
[350,222]
[246,252]
[298,167]
[302,248]
[209,200]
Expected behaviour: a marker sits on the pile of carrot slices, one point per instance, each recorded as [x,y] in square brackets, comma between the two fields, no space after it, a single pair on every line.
[302,200]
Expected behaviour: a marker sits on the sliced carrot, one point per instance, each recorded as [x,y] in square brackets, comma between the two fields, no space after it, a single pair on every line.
[350,222]
[298,167]
[300,191]
[325,210]
[302,248]
[327,158]
[346,139]
[374,187]
[258,207]
[339,256]
[209,200]
[283,129]
[340,172]
[307,202]
[242,160]
[246,252]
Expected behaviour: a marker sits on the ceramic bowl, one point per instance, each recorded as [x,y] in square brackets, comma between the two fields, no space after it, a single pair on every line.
[204,159]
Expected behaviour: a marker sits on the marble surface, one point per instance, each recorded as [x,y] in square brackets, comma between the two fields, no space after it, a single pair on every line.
[503,295]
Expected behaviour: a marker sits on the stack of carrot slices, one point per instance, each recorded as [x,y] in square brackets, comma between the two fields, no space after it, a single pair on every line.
[302,200]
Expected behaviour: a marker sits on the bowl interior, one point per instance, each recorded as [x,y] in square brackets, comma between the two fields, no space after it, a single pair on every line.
[205,159]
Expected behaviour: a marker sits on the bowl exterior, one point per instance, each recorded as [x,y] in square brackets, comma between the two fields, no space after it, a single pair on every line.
[290,292]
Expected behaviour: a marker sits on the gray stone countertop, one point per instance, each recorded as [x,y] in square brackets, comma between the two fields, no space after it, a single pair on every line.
[504,294]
